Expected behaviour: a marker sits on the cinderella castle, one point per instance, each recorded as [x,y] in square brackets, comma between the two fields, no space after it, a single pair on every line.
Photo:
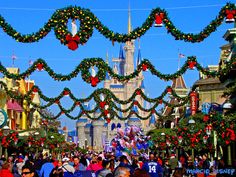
[96,134]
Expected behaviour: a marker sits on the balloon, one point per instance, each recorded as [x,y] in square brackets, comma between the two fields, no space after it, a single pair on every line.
[127,145]
[120,132]
[126,138]
[127,131]
[139,146]
[114,144]
[118,153]
[134,152]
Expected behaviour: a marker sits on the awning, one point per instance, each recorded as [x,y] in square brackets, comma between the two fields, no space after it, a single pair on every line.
[13,105]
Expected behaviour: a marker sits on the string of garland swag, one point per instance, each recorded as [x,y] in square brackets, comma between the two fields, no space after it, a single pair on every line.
[88,21]
[106,102]
[103,68]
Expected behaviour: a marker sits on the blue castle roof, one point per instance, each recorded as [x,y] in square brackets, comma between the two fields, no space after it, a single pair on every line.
[81,120]
[117,86]
[134,119]
[72,133]
[139,57]
[88,125]
[135,109]
[121,53]
[152,120]
[107,76]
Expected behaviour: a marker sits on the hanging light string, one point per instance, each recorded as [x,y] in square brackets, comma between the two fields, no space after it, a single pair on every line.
[112,9]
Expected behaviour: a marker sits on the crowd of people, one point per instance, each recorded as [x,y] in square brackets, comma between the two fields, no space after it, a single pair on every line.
[103,164]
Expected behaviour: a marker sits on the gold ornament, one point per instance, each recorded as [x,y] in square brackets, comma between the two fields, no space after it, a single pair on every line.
[3,98]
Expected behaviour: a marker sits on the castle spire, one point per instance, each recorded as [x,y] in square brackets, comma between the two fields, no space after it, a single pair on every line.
[107,58]
[139,59]
[121,54]
[129,20]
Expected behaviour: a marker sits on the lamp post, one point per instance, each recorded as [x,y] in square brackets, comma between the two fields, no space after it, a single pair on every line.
[163,138]
[52,138]
[36,134]
[226,107]
[5,131]
[192,123]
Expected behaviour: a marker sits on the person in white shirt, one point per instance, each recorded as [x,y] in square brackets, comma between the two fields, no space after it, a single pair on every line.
[66,166]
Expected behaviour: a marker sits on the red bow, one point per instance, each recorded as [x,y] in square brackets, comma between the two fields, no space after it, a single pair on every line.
[94,81]
[230,14]
[66,92]
[106,112]
[191,64]
[40,66]
[138,92]
[102,104]
[72,42]
[205,118]
[108,120]
[144,67]
[169,90]
[159,18]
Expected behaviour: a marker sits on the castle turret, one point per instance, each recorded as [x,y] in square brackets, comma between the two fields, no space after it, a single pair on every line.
[97,133]
[80,126]
[134,121]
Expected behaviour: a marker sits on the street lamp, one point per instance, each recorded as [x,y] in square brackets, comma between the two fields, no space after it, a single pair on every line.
[180,139]
[163,136]
[191,123]
[5,130]
[205,139]
[36,133]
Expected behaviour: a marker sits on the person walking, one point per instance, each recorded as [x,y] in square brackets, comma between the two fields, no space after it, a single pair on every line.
[5,171]
[28,171]
[105,170]
[153,167]
[46,168]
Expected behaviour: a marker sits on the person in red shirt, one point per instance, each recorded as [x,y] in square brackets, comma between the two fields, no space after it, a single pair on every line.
[5,171]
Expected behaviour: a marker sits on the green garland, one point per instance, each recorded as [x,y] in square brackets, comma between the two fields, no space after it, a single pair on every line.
[110,99]
[103,69]
[88,21]
[224,127]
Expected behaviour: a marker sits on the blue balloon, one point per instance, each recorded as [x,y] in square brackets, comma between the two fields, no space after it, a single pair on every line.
[118,153]
[134,152]
[145,145]
[139,146]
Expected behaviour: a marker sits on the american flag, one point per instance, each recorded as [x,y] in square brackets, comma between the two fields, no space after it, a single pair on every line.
[181,55]
[13,57]
[31,62]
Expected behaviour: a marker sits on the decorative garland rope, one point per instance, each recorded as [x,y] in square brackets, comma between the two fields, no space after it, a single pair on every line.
[88,21]
[110,100]
[103,69]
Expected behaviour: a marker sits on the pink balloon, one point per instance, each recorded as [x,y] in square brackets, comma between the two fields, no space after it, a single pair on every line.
[120,132]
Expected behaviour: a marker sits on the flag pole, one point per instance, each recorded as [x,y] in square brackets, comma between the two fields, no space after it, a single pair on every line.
[178,60]
[13,57]
[29,76]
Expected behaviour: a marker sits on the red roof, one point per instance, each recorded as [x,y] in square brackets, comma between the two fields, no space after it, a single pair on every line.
[179,83]
[13,105]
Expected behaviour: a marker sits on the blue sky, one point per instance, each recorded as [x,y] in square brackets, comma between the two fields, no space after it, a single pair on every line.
[156,45]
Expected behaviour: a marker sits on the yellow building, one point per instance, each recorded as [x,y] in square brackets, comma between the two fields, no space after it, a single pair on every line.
[21,115]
